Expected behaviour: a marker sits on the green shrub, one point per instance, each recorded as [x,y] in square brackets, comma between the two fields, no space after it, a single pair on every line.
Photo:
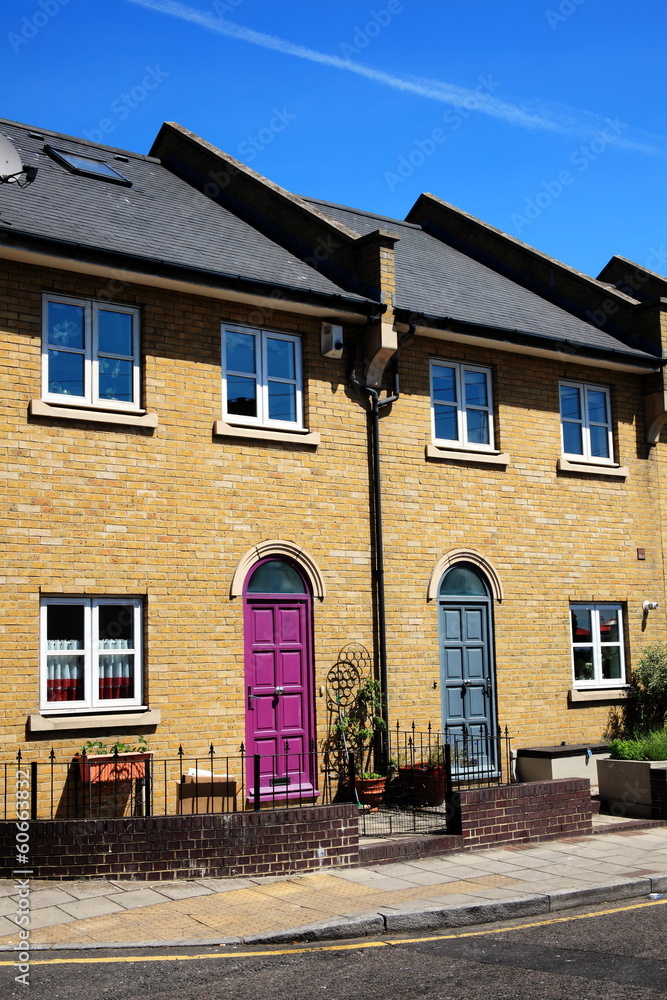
[645,710]
[627,749]
[656,745]
[653,746]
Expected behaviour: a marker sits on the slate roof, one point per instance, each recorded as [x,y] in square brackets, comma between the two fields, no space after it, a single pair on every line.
[160,217]
[162,221]
[437,281]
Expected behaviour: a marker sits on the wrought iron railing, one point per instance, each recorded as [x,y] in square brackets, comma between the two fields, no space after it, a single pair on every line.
[142,783]
[477,756]
[420,770]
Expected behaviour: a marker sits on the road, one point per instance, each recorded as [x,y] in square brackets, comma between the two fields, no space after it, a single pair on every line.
[615,952]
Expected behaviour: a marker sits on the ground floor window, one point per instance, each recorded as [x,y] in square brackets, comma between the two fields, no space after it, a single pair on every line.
[90,653]
[597,645]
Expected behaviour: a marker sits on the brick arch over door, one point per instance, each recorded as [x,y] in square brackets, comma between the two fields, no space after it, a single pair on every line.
[468,556]
[278,549]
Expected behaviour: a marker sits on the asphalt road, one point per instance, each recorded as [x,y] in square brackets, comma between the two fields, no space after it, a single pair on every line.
[619,953]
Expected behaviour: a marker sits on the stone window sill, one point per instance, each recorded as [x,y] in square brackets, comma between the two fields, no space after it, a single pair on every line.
[48,724]
[307,439]
[484,457]
[615,471]
[578,696]
[38,408]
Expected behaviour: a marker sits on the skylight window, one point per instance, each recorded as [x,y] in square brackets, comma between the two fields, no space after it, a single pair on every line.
[89,166]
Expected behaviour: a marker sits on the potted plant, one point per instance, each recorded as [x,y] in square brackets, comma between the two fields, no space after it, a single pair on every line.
[639,746]
[625,778]
[422,782]
[358,731]
[117,762]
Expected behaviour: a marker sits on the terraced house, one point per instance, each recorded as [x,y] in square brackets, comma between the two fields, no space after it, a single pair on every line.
[245,432]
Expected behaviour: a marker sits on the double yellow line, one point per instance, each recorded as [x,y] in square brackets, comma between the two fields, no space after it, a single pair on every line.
[94,960]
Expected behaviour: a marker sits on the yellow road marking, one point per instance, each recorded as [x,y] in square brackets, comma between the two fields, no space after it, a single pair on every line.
[333,947]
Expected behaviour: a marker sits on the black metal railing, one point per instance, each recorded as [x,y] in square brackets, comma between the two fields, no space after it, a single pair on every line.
[421,770]
[91,786]
[477,756]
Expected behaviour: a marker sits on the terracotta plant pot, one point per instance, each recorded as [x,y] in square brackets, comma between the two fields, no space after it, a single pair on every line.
[108,767]
[370,791]
[421,784]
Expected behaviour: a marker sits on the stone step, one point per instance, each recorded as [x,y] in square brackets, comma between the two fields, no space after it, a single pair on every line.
[382,850]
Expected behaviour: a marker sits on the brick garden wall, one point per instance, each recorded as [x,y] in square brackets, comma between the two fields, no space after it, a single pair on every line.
[536,810]
[168,847]
[283,841]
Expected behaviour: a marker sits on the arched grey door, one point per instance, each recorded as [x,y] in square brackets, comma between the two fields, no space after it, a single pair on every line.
[467,668]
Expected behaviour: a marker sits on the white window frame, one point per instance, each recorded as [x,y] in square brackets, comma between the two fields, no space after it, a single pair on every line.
[585,455]
[261,380]
[599,611]
[91,657]
[461,419]
[91,354]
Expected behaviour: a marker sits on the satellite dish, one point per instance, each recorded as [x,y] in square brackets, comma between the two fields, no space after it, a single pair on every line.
[10,159]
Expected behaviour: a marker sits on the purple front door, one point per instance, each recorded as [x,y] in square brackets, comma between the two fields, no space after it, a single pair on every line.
[278,676]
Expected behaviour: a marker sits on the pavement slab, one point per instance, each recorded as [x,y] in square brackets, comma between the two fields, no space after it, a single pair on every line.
[456,889]
[90,907]
[137,897]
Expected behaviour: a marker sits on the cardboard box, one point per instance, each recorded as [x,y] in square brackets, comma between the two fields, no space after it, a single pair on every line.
[206,794]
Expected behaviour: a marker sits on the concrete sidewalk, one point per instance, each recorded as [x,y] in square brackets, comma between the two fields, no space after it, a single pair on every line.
[446,891]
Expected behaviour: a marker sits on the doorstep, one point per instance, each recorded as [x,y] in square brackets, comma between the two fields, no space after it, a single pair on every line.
[605,823]
[405,847]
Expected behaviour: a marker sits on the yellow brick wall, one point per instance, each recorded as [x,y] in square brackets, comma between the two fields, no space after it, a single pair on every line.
[168,515]
[552,538]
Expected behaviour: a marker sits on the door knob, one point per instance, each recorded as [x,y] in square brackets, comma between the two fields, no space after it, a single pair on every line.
[280,690]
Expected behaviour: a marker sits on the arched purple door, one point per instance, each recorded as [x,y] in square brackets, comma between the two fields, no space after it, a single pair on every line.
[279,680]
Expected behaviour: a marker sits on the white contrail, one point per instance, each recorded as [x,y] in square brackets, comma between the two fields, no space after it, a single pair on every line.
[563,120]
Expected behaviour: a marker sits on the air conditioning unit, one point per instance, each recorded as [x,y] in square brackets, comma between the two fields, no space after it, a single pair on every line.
[331,339]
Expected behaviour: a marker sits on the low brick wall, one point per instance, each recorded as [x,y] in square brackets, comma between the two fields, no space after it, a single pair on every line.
[534,810]
[167,847]
[658,793]
[291,840]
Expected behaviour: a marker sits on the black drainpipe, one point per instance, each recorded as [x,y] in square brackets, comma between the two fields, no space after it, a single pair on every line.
[374,426]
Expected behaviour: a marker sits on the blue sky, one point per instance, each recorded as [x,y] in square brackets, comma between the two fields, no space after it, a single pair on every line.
[545,118]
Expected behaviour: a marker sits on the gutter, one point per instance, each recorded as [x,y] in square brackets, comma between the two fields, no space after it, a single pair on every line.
[539,341]
[206,277]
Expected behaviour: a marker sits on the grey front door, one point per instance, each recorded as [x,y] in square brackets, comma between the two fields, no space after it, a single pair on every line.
[467,669]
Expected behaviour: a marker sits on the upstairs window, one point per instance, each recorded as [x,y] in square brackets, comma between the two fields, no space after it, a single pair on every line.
[90,353]
[461,406]
[585,415]
[90,653]
[262,380]
[597,645]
